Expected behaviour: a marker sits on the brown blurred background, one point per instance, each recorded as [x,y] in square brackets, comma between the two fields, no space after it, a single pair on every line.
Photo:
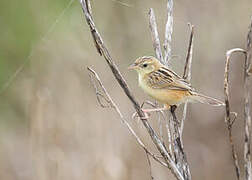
[51,126]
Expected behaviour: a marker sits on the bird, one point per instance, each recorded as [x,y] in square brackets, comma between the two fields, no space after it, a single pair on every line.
[165,86]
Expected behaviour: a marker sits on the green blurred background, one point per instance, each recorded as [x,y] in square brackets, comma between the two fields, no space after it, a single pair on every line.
[51,126]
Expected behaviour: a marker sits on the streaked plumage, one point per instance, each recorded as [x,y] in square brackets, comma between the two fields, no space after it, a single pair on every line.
[165,85]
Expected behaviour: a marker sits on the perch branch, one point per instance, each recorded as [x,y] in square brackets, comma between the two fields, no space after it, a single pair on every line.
[104,93]
[155,36]
[102,50]
[174,135]
[168,32]
[179,154]
[169,131]
[247,107]
[228,120]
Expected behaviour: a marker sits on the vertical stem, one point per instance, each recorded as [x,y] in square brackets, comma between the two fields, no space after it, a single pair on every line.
[247,107]
[187,74]
[179,154]
[168,32]
[155,36]
[228,120]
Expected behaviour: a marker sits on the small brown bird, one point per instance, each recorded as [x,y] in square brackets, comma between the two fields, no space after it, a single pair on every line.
[165,85]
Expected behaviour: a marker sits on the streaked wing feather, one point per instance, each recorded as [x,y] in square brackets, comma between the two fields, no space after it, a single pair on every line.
[164,78]
[182,84]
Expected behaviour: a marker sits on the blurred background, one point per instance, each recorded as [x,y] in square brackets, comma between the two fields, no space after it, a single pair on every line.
[51,126]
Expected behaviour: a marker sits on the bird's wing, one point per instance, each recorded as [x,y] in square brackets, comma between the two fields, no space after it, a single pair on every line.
[164,78]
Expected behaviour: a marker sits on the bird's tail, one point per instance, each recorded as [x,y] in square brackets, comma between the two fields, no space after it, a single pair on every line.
[206,100]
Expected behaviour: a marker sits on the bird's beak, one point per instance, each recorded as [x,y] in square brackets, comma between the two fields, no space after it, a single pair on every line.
[132,66]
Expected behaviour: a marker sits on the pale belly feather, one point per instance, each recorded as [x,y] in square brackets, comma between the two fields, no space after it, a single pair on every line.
[166,96]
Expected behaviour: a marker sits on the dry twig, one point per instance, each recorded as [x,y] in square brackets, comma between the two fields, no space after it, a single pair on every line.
[247,107]
[188,63]
[187,74]
[228,120]
[168,32]
[155,37]
[179,154]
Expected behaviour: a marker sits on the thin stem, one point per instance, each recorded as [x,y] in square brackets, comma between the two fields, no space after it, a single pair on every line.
[187,74]
[228,120]
[155,36]
[168,32]
[247,107]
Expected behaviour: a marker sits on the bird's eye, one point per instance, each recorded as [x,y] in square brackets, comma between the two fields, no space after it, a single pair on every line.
[145,65]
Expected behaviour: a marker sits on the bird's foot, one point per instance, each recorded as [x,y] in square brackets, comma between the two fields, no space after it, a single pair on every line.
[147,112]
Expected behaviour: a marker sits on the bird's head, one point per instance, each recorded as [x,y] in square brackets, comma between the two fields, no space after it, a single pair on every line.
[146,64]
